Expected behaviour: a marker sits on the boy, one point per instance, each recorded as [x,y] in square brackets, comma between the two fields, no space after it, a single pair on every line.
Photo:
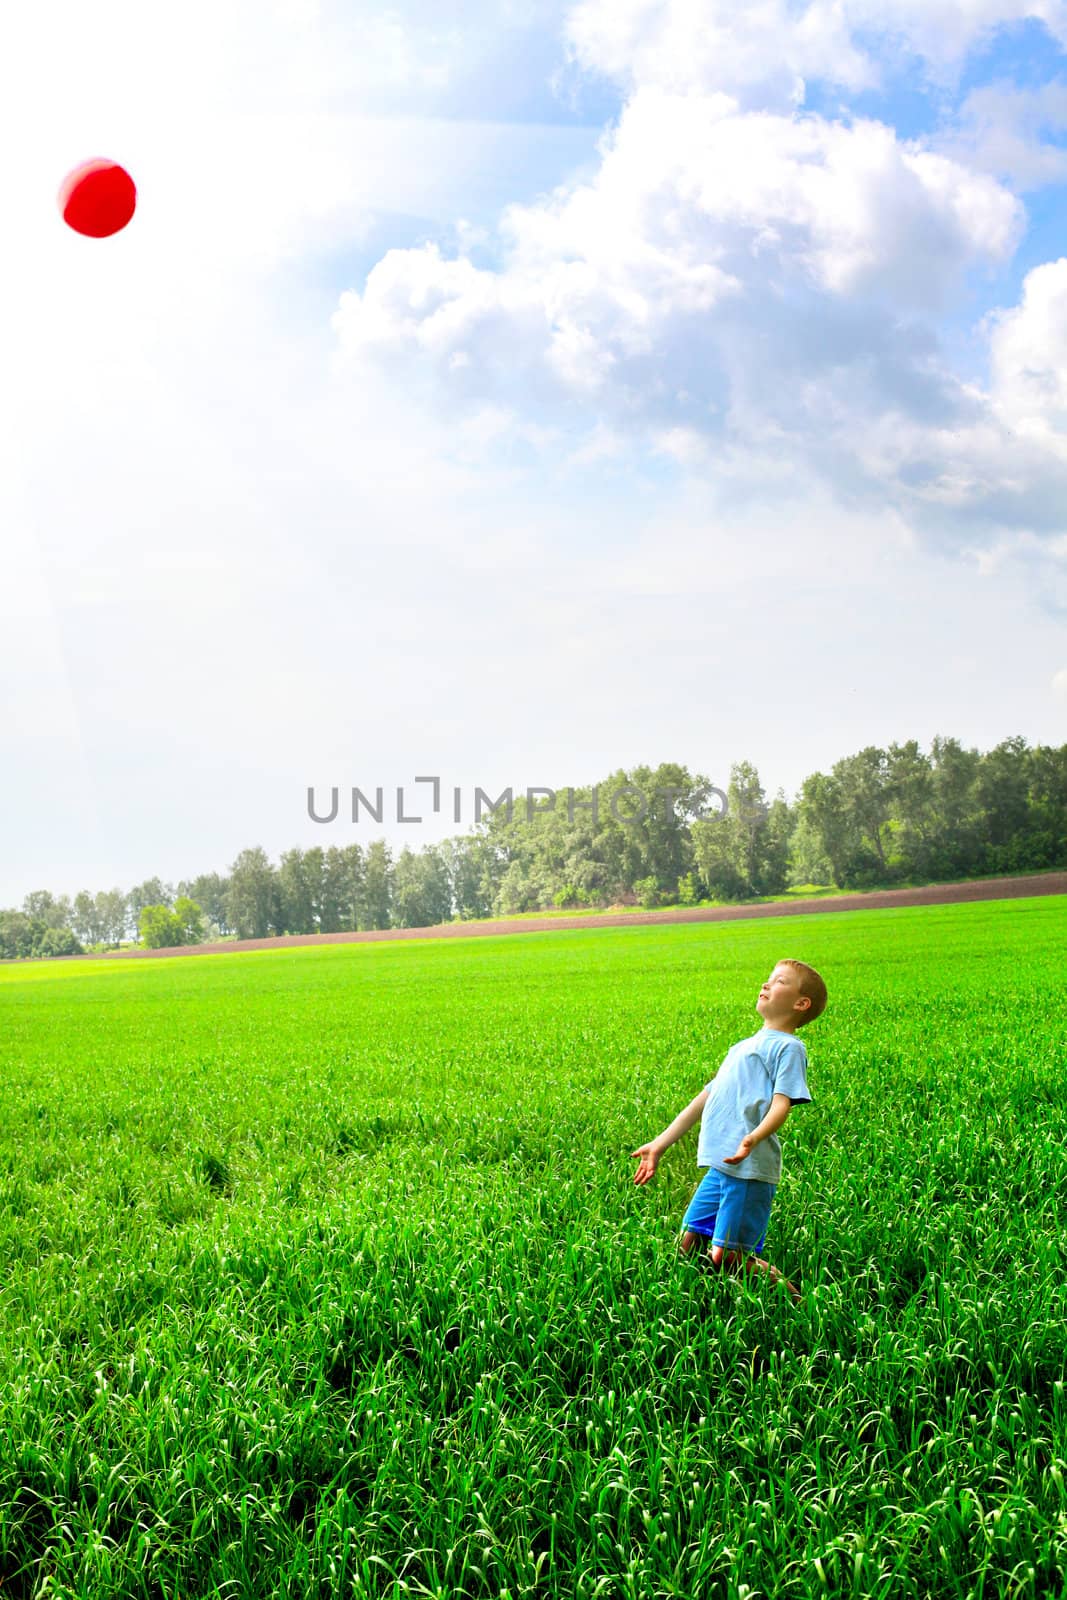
[749,1098]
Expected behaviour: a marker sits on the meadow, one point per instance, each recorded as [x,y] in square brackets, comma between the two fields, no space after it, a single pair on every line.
[325,1273]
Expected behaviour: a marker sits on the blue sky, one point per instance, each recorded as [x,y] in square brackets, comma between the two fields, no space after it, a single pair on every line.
[552,388]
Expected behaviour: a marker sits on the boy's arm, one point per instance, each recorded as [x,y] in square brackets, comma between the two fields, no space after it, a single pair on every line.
[683,1121]
[781,1106]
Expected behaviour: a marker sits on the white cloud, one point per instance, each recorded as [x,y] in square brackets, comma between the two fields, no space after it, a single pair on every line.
[758,49]
[1028,354]
[766,49]
[724,270]
[996,130]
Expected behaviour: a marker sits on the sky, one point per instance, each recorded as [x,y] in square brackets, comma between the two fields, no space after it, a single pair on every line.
[513,392]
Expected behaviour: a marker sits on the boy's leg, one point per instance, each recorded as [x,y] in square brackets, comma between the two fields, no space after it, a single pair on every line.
[754,1263]
[689,1240]
[748,1207]
[721,1259]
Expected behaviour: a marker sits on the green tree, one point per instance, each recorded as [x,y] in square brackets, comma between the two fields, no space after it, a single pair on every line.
[209,892]
[714,857]
[299,893]
[190,918]
[1003,790]
[85,919]
[335,897]
[18,935]
[342,890]
[421,894]
[738,851]
[912,798]
[746,825]
[772,869]
[808,862]
[111,912]
[1048,794]
[822,815]
[153,892]
[865,799]
[471,864]
[377,886]
[515,893]
[42,906]
[160,928]
[253,902]
[57,942]
[624,844]
[957,842]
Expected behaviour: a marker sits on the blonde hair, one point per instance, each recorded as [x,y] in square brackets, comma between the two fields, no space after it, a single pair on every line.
[810,984]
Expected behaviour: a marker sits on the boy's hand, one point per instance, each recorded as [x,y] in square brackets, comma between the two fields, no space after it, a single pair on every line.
[649,1162]
[744,1149]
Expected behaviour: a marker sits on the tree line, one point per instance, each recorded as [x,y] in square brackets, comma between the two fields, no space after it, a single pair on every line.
[878,819]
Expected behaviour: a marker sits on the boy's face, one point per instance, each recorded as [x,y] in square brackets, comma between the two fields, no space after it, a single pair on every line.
[779,995]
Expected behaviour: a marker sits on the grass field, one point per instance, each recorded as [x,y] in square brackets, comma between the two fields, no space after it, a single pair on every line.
[326,1274]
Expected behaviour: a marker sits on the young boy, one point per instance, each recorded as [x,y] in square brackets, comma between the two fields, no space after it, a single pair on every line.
[749,1098]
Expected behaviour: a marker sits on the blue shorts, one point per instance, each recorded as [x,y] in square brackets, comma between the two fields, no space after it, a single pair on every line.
[733,1212]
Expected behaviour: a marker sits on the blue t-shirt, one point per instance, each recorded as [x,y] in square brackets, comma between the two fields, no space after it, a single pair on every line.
[753,1071]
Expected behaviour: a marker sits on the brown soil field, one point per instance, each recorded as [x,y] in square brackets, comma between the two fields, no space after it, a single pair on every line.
[931,894]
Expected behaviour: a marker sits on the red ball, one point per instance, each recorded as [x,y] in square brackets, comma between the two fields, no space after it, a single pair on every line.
[97,198]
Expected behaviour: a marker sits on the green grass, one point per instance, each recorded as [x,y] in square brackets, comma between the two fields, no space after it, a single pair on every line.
[326,1275]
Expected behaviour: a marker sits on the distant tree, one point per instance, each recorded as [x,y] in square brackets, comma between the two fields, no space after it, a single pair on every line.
[209,892]
[41,906]
[18,935]
[191,918]
[913,801]
[315,878]
[333,892]
[1048,793]
[957,839]
[86,920]
[298,893]
[57,942]
[470,862]
[111,916]
[808,862]
[376,909]
[153,892]
[1021,829]
[713,852]
[515,893]
[687,890]
[163,928]
[746,826]
[775,835]
[672,798]
[37,905]
[342,889]
[865,799]
[253,901]
[821,810]
[1002,790]
[648,892]
[160,928]
[421,894]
